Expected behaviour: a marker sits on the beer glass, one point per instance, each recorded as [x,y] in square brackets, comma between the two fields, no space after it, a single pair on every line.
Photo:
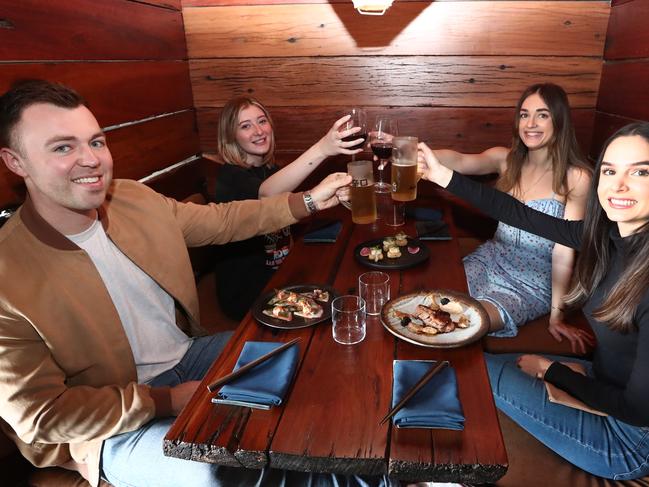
[404,168]
[362,191]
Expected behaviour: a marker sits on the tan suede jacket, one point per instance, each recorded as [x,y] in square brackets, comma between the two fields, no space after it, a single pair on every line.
[67,375]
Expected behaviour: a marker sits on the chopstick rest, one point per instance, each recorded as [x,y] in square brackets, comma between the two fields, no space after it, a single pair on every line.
[414,389]
[242,370]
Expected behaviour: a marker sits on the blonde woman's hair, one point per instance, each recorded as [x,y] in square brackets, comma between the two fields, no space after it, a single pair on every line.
[229,151]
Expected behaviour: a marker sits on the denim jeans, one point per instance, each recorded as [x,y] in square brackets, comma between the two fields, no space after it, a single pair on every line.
[600,445]
[135,459]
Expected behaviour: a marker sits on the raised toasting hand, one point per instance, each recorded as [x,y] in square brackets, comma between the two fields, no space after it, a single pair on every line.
[328,193]
[429,167]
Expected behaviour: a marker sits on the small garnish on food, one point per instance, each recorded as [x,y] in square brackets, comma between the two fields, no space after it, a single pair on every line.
[413,250]
[444,301]
[365,251]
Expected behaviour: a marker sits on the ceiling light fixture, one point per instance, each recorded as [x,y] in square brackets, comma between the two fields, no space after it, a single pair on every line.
[372,7]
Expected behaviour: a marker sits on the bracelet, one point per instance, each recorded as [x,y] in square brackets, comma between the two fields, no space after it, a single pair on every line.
[309,203]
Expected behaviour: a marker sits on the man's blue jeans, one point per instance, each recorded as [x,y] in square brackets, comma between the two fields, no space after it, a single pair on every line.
[599,445]
[135,459]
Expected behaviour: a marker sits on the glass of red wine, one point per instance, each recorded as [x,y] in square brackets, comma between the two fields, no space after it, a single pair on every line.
[381,143]
[358,118]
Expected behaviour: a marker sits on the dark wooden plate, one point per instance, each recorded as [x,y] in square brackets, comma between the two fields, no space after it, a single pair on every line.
[404,262]
[471,308]
[297,322]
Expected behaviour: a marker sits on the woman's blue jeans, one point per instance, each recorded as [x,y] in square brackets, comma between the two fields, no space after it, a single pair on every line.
[600,445]
[135,459]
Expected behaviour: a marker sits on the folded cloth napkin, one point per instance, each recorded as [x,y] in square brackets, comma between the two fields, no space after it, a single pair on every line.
[325,233]
[436,405]
[267,382]
[423,214]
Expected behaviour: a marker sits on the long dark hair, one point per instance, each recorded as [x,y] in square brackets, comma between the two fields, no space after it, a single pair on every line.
[594,259]
[563,148]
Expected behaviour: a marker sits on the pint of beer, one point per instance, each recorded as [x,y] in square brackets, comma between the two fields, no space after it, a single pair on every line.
[404,168]
[362,192]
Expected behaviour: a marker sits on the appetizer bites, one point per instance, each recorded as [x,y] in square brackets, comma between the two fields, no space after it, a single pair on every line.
[284,304]
[440,315]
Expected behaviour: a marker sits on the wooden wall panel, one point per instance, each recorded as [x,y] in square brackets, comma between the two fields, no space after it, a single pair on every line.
[623,96]
[628,35]
[403,80]
[466,129]
[172,4]
[86,29]
[141,149]
[117,92]
[624,89]
[507,28]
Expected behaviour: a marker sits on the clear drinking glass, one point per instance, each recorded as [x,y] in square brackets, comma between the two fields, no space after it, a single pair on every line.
[385,129]
[374,288]
[358,118]
[348,318]
[404,168]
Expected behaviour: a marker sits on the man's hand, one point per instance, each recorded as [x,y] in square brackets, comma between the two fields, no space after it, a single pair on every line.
[332,143]
[578,338]
[180,395]
[429,167]
[328,193]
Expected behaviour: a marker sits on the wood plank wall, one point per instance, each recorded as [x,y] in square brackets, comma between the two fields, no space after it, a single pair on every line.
[450,71]
[127,58]
[623,94]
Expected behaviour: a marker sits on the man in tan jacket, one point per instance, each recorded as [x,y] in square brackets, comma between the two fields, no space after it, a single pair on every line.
[98,301]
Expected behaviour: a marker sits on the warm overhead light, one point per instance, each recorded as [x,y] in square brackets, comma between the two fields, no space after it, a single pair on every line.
[372,7]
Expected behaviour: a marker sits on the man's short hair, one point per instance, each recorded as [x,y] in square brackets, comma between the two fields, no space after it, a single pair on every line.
[23,94]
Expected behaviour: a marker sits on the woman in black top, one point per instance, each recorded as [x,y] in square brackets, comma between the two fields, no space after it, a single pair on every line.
[246,146]
[612,285]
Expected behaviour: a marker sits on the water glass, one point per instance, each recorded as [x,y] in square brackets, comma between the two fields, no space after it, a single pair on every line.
[348,317]
[374,288]
[396,214]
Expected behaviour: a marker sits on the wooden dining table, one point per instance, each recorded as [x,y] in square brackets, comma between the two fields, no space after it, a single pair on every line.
[329,419]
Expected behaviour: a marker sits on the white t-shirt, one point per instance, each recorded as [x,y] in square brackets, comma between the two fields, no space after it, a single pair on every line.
[147,312]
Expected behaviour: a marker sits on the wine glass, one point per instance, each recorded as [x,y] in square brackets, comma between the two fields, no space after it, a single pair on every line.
[381,143]
[358,118]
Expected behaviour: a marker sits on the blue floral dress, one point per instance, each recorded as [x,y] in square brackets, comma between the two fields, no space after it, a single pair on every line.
[513,271]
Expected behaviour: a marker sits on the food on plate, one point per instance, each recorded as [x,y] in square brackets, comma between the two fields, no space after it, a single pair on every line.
[401,239]
[388,243]
[284,304]
[413,250]
[394,253]
[434,317]
[376,254]
[365,252]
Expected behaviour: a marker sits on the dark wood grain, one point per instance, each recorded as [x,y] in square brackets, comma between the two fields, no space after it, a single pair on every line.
[464,129]
[489,81]
[567,28]
[117,92]
[623,90]
[83,30]
[627,36]
[141,149]
[605,126]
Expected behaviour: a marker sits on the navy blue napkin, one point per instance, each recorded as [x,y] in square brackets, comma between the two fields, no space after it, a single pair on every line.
[436,405]
[326,233]
[267,382]
[423,214]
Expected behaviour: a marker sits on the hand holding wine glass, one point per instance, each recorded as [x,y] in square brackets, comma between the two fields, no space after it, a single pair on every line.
[357,118]
[385,129]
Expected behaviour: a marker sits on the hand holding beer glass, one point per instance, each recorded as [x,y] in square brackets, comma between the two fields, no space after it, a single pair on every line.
[363,200]
[404,168]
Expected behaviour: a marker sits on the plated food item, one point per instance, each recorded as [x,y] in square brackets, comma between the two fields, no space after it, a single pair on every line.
[438,318]
[392,252]
[285,303]
[294,306]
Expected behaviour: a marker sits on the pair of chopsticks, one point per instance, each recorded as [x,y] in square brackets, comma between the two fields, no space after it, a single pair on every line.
[414,389]
[242,370]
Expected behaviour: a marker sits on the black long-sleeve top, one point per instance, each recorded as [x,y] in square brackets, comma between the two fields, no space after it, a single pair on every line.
[620,386]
